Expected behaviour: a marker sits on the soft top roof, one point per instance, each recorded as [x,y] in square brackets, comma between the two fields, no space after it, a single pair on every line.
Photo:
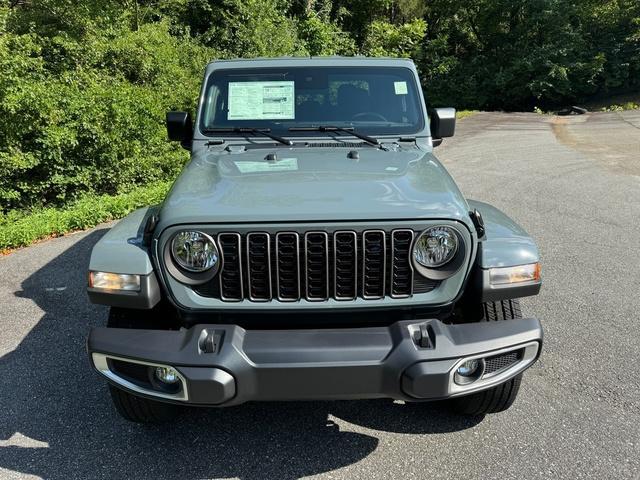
[302,61]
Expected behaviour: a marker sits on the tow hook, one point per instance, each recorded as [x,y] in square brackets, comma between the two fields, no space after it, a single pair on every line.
[424,336]
[210,341]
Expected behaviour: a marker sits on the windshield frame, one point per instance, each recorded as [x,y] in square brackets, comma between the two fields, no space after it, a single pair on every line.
[420,128]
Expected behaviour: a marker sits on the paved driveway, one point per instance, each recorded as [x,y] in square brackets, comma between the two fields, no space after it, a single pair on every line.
[573,182]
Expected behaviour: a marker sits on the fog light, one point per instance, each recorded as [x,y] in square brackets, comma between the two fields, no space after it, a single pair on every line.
[468,368]
[469,371]
[167,375]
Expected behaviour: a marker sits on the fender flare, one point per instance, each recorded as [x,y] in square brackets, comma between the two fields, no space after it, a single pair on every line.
[123,250]
[505,244]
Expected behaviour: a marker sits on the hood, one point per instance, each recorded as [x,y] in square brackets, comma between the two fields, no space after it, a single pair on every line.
[312,184]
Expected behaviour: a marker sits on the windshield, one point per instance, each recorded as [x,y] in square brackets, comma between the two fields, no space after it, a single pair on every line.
[371,100]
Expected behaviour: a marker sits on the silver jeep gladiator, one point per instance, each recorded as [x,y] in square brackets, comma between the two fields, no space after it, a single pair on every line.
[313,248]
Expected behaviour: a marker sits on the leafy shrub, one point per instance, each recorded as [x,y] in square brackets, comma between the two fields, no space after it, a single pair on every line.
[248,28]
[98,126]
[621,107]
[500,54]
[322,36]
[387,40]
[18,229]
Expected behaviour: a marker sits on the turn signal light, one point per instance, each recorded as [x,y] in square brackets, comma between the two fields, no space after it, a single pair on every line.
[517,274]
[114,281]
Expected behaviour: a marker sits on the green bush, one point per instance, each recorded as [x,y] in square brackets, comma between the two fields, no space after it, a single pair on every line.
[96,126]
[18,230]
[387,40]
[500,54]
[621,107]
[322,36]
[244,28]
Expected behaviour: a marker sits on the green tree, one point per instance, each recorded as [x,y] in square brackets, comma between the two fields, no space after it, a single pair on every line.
[322,36]
[513,54]
[386,39]
[244,28]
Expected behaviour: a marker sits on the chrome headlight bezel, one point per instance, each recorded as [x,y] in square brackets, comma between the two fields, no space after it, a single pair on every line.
[449,266]
[184,273]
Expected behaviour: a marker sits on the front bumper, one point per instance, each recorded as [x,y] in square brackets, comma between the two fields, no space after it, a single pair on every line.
[409,360]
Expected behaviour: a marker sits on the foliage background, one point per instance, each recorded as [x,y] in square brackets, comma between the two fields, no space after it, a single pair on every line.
[84,84]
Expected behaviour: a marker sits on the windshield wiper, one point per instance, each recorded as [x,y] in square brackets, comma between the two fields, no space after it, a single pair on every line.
[329,128]
[255,131]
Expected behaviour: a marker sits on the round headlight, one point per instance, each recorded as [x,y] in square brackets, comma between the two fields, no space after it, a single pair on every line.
[194,251]
[436,246]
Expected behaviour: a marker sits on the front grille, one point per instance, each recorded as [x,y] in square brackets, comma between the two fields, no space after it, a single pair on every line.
[259,266]
[374,264]
[402,278]
[345,254]
[502,361]
[231,274]
[316,266]
[288,266]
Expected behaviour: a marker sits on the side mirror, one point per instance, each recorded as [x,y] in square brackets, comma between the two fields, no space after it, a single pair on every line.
[180,128]
[443,124]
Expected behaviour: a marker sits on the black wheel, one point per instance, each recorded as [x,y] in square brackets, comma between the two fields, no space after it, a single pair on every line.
[131,407]
[161,317]
[142,410]
[123,318]
[501,310]
[494,400]
[501,397]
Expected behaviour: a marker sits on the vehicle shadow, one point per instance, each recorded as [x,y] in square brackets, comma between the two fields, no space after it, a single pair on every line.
[58,421]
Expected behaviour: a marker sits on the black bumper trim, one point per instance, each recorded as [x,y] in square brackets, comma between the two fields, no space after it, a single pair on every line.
[316,364]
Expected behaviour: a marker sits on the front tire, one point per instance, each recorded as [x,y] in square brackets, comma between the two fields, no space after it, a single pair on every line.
[142,410]
[501,397]
[132,407]
[493,400]
[501,310]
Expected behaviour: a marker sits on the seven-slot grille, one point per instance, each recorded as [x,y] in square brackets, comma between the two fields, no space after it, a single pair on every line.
[316,266]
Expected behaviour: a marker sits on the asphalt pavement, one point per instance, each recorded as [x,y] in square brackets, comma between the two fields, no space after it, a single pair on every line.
[572,182]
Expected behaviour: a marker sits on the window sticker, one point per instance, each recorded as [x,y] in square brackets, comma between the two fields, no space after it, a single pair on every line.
[400,88]
[283,165]
[261,100]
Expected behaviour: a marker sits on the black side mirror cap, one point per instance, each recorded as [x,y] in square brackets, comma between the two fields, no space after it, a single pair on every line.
[180,128]
[443,124]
